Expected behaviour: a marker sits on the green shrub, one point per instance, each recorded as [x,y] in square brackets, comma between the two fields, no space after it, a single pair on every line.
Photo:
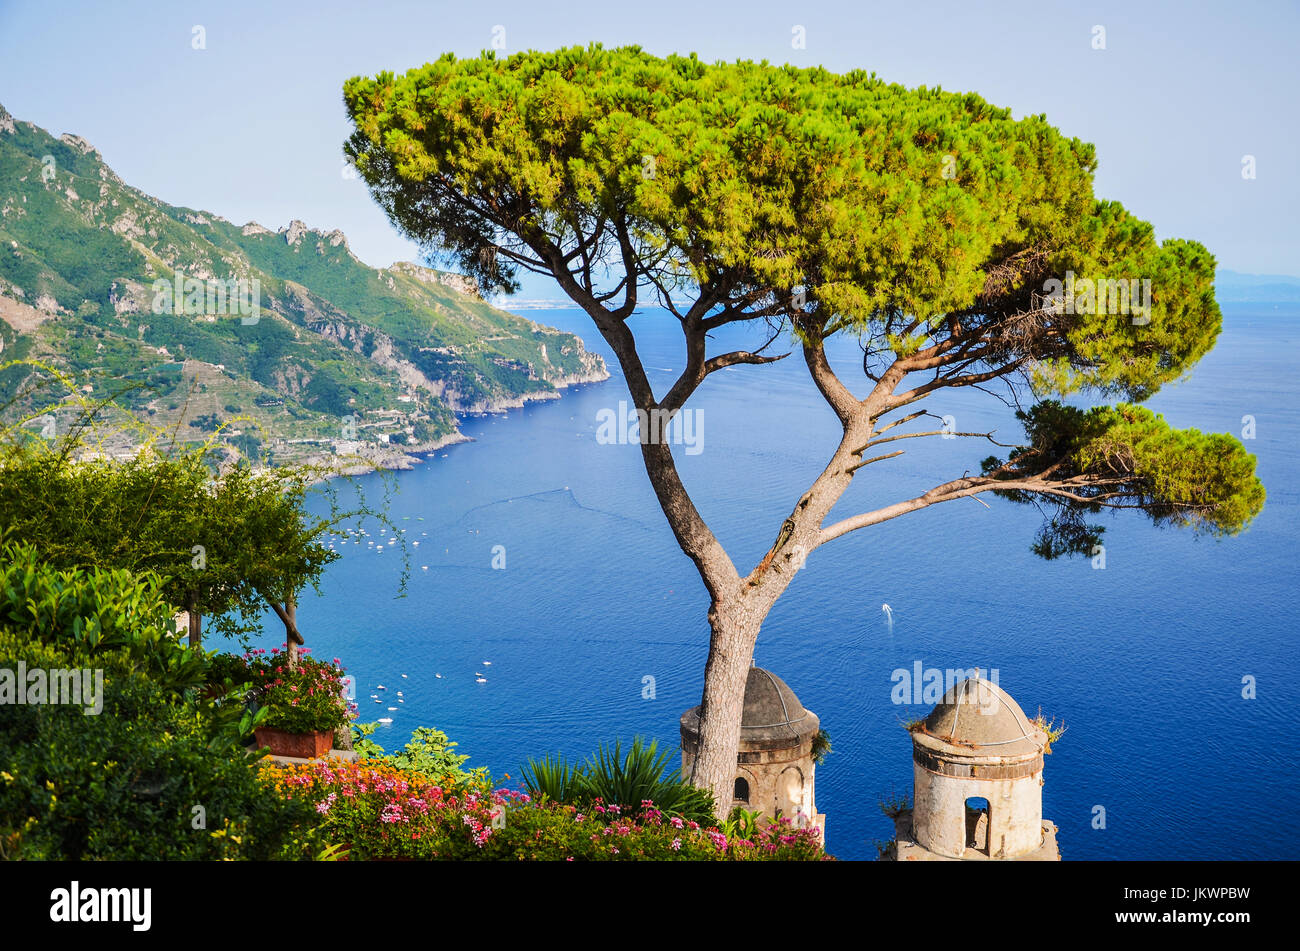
[362,744]
[430,753]
[96,610]
[125,784]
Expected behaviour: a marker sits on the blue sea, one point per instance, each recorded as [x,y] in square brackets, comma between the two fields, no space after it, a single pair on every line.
[1144,660]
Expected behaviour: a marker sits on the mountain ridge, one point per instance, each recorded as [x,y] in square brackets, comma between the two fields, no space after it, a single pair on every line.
[319,351]
[1237,287]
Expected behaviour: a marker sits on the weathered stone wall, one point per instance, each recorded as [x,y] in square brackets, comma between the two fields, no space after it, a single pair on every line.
[1015,811]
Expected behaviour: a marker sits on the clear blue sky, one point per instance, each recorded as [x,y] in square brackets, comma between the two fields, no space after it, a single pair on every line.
[252,126]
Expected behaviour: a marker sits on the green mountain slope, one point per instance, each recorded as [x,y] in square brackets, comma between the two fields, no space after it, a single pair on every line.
[115,287]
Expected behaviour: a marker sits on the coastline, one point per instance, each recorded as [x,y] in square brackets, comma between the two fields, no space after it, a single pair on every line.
[407,458]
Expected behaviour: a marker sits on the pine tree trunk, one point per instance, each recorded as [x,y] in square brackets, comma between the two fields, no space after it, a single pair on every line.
[291,628]
[731,653]
[196,625]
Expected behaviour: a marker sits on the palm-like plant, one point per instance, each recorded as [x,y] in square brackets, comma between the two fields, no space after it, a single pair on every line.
[624,780]
[551,778]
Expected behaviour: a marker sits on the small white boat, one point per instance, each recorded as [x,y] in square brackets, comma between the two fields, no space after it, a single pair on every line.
[403,676]
[385,719]
[399,693]
[439,676]
[487,663]
[481,680]
[391,709]
[380,687]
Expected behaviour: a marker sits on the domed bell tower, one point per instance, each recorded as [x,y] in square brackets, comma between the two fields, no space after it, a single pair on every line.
[977,769]
[775,770]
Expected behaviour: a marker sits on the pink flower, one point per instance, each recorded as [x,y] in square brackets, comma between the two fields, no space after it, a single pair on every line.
[677,844]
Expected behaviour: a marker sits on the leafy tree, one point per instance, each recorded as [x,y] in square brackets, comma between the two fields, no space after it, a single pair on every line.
[225,543]
[933,227]
[228,539]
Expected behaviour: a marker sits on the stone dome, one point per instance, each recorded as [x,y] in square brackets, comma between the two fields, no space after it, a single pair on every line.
[977,717]
[773,717]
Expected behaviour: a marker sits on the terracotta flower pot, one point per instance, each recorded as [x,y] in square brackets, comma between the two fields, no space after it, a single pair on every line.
[302,745]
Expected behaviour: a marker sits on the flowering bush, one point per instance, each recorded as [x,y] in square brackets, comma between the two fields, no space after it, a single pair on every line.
[379,812]
[307,698]
[430,754]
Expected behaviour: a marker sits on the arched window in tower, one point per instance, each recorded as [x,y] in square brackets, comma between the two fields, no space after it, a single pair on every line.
[742,790]
[977,824]
[791,788]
